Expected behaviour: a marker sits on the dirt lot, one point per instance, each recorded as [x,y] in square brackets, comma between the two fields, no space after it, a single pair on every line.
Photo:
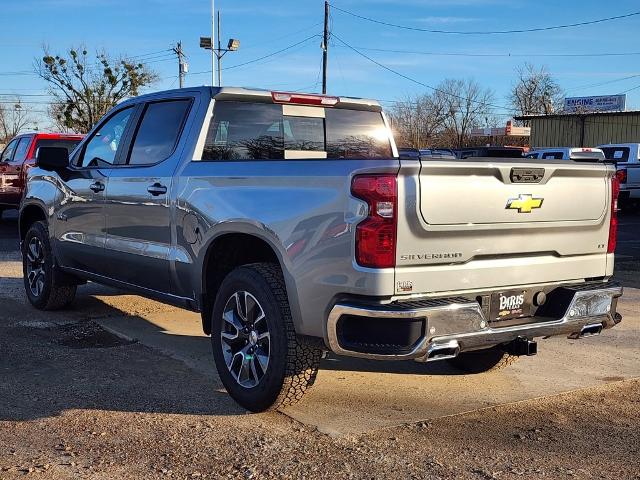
[79,402]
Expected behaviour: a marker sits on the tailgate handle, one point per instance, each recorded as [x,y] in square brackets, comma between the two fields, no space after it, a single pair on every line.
[527,175]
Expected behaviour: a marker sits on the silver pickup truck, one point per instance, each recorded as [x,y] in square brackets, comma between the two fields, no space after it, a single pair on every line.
[289,221]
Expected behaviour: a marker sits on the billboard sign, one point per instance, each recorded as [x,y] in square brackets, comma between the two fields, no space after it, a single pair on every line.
[509,131]
[604,103]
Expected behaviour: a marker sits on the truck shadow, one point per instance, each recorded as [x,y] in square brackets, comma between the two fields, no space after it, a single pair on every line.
[54,362]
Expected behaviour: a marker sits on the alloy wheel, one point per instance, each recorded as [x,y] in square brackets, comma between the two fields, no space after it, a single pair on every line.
[35,266]
[246,343]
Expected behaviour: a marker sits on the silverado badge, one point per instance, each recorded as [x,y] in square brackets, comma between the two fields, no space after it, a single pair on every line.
[525,203]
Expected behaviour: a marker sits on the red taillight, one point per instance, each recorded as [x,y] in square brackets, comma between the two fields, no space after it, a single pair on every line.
[613,225]
[621,175]
[304,99]
[376,235]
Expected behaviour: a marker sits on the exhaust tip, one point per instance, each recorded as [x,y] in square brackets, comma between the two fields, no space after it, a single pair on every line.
[591,330]
[443,351]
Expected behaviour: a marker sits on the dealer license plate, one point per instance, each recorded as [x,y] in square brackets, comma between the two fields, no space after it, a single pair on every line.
[510,304]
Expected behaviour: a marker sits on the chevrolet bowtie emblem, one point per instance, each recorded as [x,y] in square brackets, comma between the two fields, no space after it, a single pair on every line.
[524,203]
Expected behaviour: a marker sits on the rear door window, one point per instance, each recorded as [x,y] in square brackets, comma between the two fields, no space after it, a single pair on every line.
[260,131]
[158,132]
[22,149]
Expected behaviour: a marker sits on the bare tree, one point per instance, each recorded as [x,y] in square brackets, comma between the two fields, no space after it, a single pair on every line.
[417,120]
[535,91]
[467,105]
[14,117]
[84,88]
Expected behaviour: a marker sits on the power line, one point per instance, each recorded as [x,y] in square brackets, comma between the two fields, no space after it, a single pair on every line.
[526,55]
[152,57]
[411,79]
[263,57]
[631,89]
[489,32]
[150,53]
[604,83]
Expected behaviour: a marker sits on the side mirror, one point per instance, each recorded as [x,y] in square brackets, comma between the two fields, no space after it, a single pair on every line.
[52,158]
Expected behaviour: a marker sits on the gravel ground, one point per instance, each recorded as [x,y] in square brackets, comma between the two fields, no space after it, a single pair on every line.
[79,403]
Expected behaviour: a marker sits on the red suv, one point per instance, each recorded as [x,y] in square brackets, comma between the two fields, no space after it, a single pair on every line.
[19,155]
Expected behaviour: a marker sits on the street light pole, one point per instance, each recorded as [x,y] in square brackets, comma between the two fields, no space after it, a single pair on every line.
[213,36]
[219,56]
[209,43]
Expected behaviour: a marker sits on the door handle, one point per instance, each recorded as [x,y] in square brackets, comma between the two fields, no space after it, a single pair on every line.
[97,187]
[157,189]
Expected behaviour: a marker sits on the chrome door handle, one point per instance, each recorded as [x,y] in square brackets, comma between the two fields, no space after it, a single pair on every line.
[97,187]
[157,189]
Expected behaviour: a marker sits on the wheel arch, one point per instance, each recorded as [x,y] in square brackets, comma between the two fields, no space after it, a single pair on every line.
[29,214]
[232,249]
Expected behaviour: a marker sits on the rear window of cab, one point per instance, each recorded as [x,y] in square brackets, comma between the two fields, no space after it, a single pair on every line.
[261,131]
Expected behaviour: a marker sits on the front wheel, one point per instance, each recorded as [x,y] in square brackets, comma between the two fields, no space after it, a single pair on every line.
[43,288]
[260,360]
[481,361]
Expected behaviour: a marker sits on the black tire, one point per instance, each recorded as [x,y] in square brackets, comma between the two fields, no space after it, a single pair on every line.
[291,364]
[44,289]
[482,361]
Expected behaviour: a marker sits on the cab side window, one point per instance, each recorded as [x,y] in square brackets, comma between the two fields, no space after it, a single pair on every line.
[158,132]
[22,149]
[101,150]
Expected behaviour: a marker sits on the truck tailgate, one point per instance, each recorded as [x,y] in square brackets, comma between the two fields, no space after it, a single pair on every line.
[490,223]
[633,177]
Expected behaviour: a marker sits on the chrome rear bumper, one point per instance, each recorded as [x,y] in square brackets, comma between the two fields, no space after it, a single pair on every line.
[452,326]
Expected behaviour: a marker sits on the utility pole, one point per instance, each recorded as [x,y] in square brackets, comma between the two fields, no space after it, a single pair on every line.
[219,56]
[325,48]
[183,67]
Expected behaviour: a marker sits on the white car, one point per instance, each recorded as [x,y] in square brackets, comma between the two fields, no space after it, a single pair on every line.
[627,158]
[566,153]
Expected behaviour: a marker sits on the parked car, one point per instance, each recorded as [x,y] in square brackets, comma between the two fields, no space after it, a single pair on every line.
[438,154]
[290,223]
[409,153]
[627,159]
[433,153]
[566,153]
[495,152]
[19,155]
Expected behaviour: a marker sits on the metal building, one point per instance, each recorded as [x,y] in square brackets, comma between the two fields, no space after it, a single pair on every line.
[583,130]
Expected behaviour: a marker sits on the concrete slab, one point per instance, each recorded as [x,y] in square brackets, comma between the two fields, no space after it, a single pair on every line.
[353,396]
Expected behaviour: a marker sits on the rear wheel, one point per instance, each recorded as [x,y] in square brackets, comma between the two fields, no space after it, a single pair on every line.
[44,289]
[260,360]
[482,361]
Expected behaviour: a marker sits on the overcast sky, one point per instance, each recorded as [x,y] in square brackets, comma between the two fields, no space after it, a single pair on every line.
[133,27]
